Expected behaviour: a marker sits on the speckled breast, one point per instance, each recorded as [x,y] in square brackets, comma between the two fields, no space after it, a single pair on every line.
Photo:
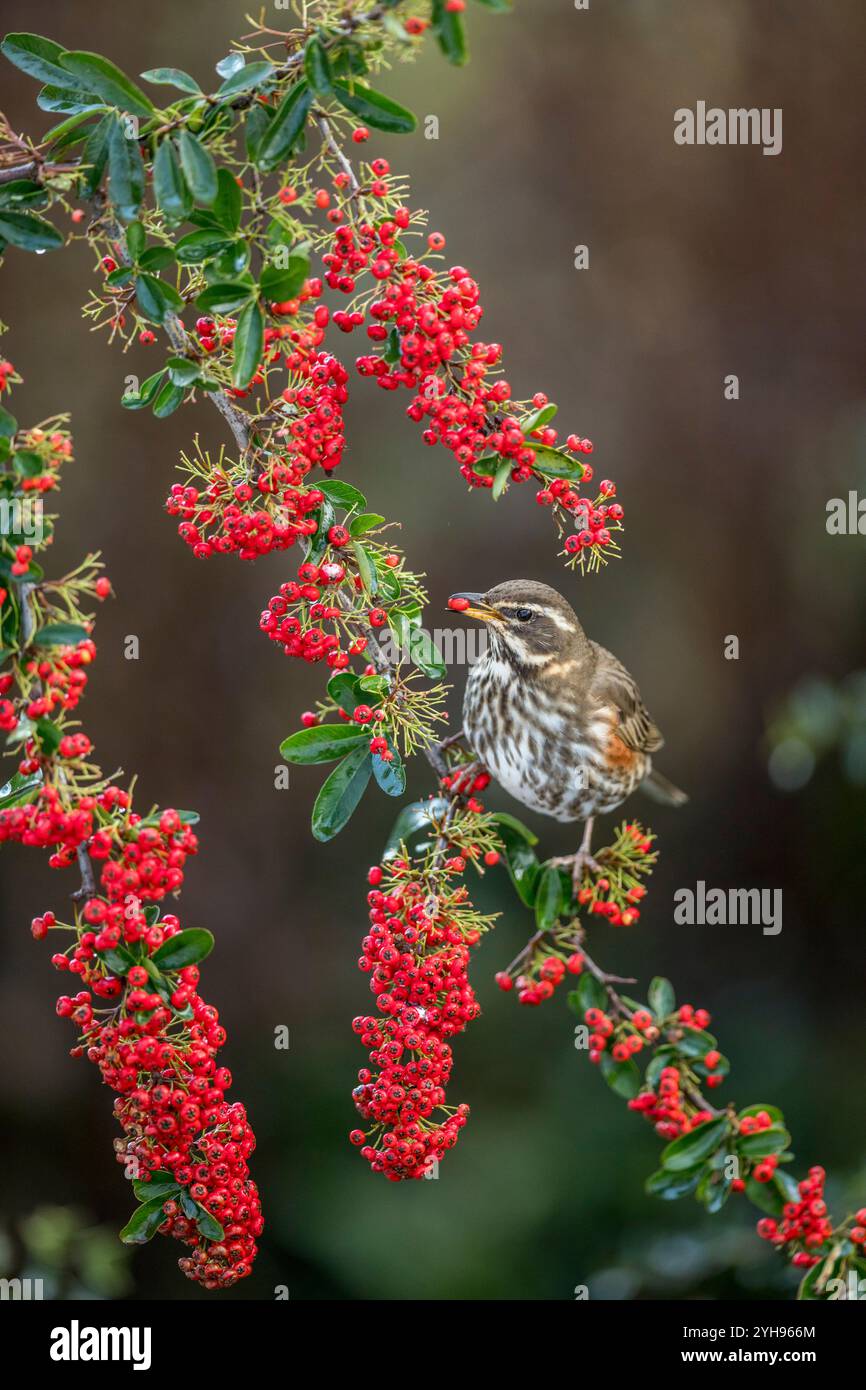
[539,751]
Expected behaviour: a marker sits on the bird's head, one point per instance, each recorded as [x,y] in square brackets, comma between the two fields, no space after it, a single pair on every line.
[529,623]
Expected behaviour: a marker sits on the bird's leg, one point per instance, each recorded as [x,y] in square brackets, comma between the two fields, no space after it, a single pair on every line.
[436,754]
[582,859]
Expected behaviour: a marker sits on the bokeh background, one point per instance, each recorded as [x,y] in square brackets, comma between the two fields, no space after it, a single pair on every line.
[703,262]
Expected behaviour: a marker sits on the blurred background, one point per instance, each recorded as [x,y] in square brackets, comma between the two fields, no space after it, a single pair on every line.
[703,262]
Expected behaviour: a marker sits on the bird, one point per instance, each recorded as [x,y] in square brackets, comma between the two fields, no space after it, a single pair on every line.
[554,717]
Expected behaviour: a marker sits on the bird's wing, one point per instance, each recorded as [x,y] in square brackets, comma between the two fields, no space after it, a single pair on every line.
[612,684]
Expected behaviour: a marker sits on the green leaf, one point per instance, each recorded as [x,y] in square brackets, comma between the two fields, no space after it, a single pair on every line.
[162,1184]
[95,154]
[125,171]
[342,493]
[38,57]
[286,128]
[765,1196]
[150,298]
[366,568]
[344,689]
[280,283]
[248,344]
[137,400]
[144,1222]
[375,109]
[450,33]
[8,424]
[500,481]
[208,1226]
[169,184]
[555,463]
[714,1189]
[223,298]
[96,74]
[185,948]
[19,789]
[521,862]
[182,371]
[167,401]
[156,258]
[670,1186]
[367,521]
[28,231]
[20,193]
[662,999]
[228,202]
[695,1042]
[695,1146]
[341,792]
[764,1141]
[416,816]
[548,898]
[60,635]
[201,246]
[70,99]
[318,69]
[589,994]
[324,743]
[135,239]
[623,1078]
[500,6]
[173,77]
[773,1111]
[505,818]
[119,960]
[425,654]
[199,168]
[246,79]
[390,775]
[540,417]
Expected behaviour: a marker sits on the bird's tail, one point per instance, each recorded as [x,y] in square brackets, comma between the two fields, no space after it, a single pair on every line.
[660,789]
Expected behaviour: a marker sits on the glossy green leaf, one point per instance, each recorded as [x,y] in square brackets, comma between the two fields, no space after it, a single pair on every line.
[169,184]
[661,997]
[671,1186]
[521,862]
[589,993]
[38,57]
[248,344]
[318,69]
[246,79]
[504,818]
[125,170]
[419,815]
[375,109]
[29,232]
[137,400]
[390,775]
[168,398]
[341,792]
[208,1226]
[280,283]
[144,1222]
[185,948]
[691,1148]
[555,463]
[343,493]
[763,1142]
[19,789]
[224,298]
[96,74]
[324,743]
[623,1078]
[60,635]
[450,33]
[548,898]
[198,167]
[425,654]
[366,568]
[228,202]
[286,128]
[173,77]
[69,99]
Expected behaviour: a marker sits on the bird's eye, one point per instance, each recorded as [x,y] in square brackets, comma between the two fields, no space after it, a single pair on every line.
[524,614]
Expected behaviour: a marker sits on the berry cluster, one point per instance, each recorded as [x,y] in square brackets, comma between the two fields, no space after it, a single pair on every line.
[232,508]
[416,952]
[805,1223]
[549,959]
[140,1017]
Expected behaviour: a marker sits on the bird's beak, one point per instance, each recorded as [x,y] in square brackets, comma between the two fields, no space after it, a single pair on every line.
[476,607]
